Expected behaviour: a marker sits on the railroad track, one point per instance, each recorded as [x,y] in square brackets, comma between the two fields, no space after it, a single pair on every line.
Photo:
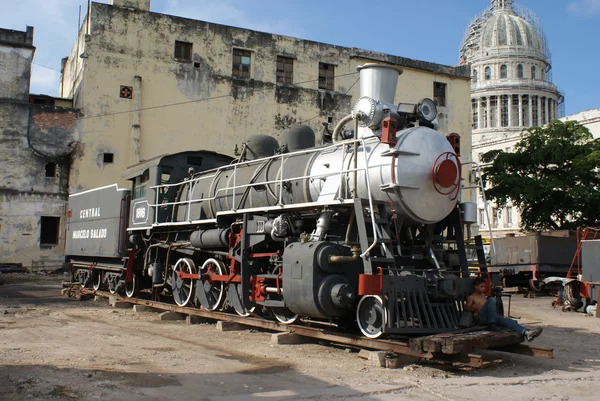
[397,346]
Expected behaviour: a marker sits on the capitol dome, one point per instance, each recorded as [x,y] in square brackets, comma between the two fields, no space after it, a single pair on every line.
[505,29]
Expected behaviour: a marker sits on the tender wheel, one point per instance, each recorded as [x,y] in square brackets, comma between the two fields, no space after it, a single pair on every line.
[211,294]
[284,315]
[183,289]
[96,279]
[131,288]
[371,316]
[234,294]
[113,283]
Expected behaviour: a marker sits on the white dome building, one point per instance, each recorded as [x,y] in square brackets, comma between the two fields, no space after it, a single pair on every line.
[511,88]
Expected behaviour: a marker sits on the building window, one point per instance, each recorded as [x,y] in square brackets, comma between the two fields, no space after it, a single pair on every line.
[514,111]
[326,76]
[285,70]
[544,110]
[439,93]
[534,111]
[504,110]
[533,72]
[488,73]
[525,111]
[108,158]
[49,230]
[503,71]
[475,75]
[482,217]
[50,170]
[494,111]
[495,216]
[520,71]
[509,218]
[241,63]
[484,112]
[183,51]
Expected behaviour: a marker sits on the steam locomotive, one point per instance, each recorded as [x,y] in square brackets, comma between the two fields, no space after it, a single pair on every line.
[365,231]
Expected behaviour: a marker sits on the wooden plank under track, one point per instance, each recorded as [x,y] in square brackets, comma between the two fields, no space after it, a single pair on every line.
[458,342]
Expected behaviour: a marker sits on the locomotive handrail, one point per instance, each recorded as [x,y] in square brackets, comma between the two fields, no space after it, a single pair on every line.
[191,182]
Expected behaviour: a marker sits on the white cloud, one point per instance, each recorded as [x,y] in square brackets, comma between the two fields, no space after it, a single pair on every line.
[584,8]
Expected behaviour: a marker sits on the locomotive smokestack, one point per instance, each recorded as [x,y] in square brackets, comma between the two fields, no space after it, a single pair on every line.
[379,81]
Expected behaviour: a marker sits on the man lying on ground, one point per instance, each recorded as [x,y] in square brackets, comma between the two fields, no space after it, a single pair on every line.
[484,312]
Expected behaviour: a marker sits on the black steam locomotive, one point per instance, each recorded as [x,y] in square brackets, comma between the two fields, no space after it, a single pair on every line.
[365,230]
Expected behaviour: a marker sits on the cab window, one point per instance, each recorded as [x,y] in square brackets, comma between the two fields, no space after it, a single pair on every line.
[139,185]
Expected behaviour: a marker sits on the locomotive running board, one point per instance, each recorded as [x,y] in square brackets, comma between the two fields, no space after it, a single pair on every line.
[398,346]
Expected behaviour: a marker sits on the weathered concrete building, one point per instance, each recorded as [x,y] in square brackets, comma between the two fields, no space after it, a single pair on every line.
[149,84]
[35,137]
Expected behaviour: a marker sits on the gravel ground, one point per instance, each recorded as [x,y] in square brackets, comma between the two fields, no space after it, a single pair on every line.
[55,348]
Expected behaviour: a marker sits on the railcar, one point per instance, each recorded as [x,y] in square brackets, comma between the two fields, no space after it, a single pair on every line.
[362,232]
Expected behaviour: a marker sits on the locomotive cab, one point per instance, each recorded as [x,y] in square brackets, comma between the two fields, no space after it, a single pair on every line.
[151,205]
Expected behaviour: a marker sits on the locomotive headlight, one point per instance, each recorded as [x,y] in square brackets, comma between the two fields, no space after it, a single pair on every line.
[426,110]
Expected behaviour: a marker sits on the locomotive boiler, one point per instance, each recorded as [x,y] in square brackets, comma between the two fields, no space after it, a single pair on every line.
[364,232]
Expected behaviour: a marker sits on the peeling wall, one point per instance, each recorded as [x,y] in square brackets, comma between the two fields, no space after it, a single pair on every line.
[31,136]
[197,104]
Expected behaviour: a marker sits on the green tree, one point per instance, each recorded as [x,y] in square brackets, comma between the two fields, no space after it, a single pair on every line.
[551,177]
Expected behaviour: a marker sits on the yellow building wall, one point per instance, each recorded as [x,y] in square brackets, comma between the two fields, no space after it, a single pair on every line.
[187,107]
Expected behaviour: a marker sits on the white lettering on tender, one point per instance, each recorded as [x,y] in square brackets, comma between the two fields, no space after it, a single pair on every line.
[93,233]
[88,213]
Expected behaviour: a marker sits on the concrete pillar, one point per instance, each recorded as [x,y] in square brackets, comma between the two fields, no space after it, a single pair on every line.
[520,124]
[489,112]
[499,110]
[530,109]
[136,129]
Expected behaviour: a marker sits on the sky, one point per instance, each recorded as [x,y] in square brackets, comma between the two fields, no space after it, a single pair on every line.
[428,30]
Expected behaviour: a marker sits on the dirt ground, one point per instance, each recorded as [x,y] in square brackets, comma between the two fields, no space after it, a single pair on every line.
[55,348]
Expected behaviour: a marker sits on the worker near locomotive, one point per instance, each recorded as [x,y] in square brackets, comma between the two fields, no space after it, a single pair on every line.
[365,234]
[485,311]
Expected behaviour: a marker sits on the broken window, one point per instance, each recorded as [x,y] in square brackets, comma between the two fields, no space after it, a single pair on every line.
[439,93]
[49,227]
[108,158]
[183,51]
[50,170]
[285,70]
[241,63]
[326,76]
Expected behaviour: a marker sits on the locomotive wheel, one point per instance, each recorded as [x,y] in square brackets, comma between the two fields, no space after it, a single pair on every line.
[371,316]
[183,289]
[96,279]
[131,288]
[234,294]
[284,315]
[211,294]
[113,283]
